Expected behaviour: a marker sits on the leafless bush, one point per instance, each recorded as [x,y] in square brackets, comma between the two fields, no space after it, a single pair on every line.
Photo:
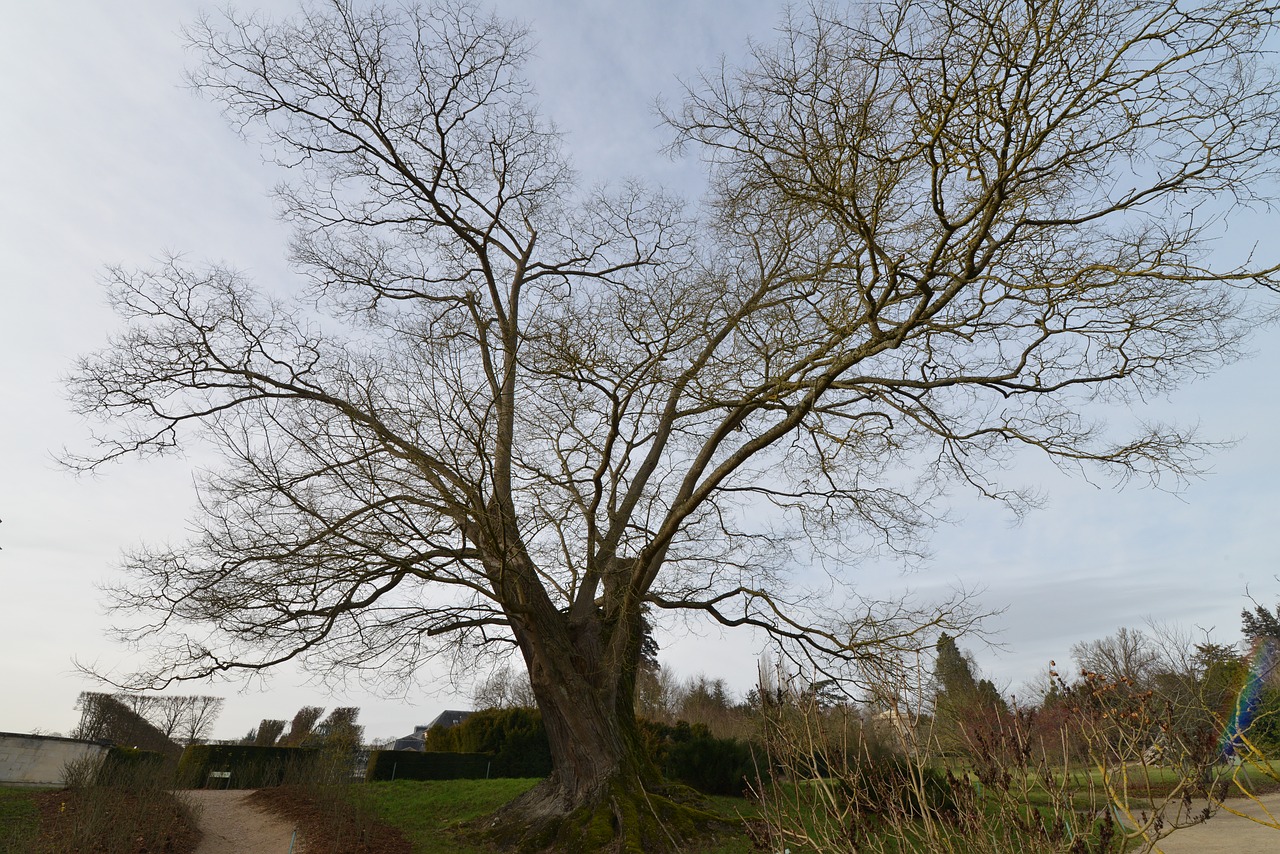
[1108,767]
[119,807]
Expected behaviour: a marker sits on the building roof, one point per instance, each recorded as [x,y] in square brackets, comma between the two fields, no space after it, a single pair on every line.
[449,718]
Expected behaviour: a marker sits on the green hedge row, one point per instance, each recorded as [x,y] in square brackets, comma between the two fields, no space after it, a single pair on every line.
[408,765]
[120,768]
[250,766]
[491,743]
[132,766]
[514,739]
[516,743]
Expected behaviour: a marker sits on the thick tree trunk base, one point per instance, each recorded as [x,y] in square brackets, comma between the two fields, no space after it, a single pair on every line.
[616,818]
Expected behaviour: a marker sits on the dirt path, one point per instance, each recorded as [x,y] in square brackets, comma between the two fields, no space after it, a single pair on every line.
[1230,834]
[232,826]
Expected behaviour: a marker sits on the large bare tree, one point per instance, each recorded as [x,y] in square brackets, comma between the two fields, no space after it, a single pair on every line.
[508,408]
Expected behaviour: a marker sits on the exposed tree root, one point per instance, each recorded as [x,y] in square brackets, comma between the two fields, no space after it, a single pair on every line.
[619,818]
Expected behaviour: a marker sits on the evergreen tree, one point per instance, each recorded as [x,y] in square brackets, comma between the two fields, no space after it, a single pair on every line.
[954,683]
[988,697]
[1261,623]
[962,702]
[339,731]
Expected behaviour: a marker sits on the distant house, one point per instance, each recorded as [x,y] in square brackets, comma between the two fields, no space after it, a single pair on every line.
[417,740]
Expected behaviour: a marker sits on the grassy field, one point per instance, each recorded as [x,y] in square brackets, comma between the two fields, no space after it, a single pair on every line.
[1152,784]
[19,820]
[428,812]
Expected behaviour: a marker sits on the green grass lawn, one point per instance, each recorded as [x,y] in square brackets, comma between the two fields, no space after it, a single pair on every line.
[1260,776]
[1153,783]
[19,820]
[427,811]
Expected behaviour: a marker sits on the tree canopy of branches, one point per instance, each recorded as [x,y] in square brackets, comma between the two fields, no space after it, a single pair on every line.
[111,717]
[268,732]
[179,719]
[302,729]
[508,408]
[1128,656]
[505,688]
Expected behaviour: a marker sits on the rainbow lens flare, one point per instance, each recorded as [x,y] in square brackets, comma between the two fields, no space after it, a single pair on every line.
[1262,663]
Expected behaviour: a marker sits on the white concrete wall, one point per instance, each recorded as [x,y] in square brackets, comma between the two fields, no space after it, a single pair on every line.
[39,760]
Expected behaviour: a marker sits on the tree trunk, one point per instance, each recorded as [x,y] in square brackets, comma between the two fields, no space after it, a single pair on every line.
[604,791]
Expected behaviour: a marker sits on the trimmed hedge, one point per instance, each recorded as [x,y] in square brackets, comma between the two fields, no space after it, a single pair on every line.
[517,744]
[514,739]
[410,765]
[251,767]
[130,767]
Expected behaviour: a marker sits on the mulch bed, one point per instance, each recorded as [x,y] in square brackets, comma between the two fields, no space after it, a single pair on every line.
[330,823]
[111,821]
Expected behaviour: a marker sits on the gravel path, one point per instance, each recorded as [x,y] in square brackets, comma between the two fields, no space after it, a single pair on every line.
[1230,834]
[232,826]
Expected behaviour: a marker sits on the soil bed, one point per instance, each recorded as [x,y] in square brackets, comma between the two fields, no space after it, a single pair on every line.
[329,822]
[100,820]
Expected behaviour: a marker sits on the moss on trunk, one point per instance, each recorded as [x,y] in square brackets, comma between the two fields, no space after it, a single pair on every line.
[621,816]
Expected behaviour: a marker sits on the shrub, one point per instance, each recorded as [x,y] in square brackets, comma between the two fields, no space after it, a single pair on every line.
[891,784]
[690,754]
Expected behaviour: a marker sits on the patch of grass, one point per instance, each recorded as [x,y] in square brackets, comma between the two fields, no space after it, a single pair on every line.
[1258,777]
[428,815]
[19,820]
[732,808]
[428,812]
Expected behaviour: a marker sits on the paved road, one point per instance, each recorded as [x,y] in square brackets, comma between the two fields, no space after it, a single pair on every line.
[232,826]
[1229,834]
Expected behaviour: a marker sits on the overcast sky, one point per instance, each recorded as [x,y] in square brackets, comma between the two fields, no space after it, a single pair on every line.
[106,159]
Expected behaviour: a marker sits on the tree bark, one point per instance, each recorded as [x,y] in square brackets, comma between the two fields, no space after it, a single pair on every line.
[604,791]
